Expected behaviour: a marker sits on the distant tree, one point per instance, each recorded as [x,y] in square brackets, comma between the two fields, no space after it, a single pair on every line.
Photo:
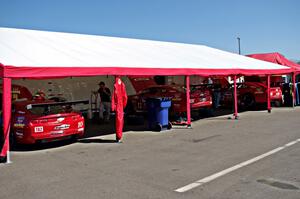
[298,62]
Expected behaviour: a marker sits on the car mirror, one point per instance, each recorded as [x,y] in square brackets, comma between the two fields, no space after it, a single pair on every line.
[29,106]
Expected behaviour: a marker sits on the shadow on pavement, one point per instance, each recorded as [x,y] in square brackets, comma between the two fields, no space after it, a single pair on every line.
[96,128]
[87,141]
[42,146]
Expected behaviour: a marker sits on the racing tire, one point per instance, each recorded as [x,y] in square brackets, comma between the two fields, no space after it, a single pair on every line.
[75,138]
[158,127]
[277,103]
[210,112]
[248,102]
[129,109]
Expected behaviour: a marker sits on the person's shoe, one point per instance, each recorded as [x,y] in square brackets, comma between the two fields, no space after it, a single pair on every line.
[118,141]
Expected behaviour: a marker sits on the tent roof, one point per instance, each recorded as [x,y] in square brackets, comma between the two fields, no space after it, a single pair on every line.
[38,54]
[276,58]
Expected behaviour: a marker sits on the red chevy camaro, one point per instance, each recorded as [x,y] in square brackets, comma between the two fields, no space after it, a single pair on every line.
[45,121]
[199,98]
[250,94]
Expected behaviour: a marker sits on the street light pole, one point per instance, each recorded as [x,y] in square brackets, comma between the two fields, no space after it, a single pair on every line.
[239,43]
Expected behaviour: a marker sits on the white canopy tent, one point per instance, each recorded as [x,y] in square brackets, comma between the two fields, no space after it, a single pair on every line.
[44,54]
[37,54]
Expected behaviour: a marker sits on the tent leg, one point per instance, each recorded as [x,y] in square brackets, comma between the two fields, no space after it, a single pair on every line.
[268,94]
[6,105]
[235,99]
[294,88]
[188,104]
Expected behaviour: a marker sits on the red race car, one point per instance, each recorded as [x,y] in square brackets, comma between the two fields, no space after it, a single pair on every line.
[41,120]
[17,92]
[250,94]
[199,98]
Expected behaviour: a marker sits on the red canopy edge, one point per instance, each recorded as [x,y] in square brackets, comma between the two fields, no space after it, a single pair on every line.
[276,58]
[56,72]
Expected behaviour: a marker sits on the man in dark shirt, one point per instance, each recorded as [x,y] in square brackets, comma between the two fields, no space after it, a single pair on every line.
[105,101]
[217,94]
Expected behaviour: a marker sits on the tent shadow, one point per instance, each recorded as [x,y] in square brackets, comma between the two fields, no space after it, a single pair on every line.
[42,146]
[88,141]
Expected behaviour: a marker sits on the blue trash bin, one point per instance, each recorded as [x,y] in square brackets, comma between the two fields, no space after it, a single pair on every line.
[158,113]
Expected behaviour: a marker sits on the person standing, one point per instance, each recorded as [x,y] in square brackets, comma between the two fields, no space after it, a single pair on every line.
[216,93]
[105,103]
[119,101]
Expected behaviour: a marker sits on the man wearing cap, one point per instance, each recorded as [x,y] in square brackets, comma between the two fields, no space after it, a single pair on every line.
[105,101]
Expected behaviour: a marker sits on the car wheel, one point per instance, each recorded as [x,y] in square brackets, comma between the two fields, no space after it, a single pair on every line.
[158,127]
[277,103]
[129,108]
[75,138]
[210,112]
[248,101]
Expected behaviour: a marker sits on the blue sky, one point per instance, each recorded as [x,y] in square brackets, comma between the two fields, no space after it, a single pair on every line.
[262,25]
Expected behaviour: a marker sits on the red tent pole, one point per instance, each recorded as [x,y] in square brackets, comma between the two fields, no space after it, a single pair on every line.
[294,88]
[188,104]
[235,98]
[6,107]
[268,93]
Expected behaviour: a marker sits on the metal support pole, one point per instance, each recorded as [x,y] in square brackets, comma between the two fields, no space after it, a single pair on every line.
[268,93]
[235,98]
[6,107]
[239,44]
[188,104]
[294,88]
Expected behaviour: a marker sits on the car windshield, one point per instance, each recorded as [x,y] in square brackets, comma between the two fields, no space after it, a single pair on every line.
[160,90]
[47,110]
[178,89]
[201,87]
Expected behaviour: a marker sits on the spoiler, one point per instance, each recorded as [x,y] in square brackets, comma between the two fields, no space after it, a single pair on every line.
[29,106]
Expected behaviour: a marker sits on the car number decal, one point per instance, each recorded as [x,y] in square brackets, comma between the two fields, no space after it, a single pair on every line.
[38,129]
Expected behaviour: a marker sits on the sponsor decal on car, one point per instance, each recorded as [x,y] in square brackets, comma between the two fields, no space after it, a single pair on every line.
[60,119]
[19,134]
[80,124]
[19,123]
[16,125]
[57,132]
[62,127]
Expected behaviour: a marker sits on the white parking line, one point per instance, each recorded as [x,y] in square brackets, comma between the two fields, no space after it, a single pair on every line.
[231,169]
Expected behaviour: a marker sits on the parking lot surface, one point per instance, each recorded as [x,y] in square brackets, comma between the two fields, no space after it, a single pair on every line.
[154,165]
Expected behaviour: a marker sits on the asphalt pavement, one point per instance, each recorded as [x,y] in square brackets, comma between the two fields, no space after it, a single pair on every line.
[153,165]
